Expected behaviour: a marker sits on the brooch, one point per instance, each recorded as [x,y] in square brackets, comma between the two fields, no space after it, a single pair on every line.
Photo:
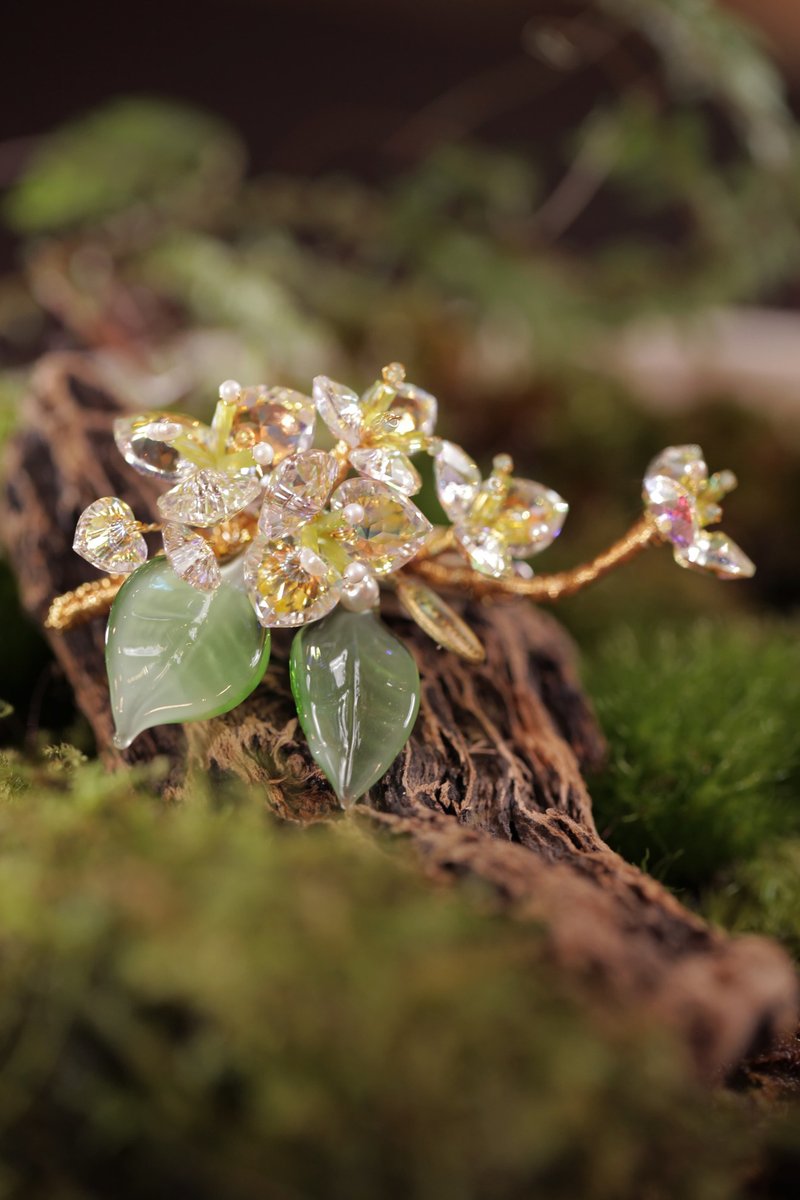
[260,529]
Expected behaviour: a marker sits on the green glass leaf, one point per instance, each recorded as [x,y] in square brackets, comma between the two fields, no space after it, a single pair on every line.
[357,693]
[177,654]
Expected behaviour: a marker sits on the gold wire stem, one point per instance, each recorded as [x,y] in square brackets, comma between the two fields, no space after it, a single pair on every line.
[86,602]
[544,589]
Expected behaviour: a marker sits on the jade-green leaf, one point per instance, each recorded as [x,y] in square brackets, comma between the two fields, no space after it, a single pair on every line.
[177,654]
[357,693]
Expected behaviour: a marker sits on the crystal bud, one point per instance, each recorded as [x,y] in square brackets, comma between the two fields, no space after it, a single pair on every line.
[191,557]
[487,550]
[672,508]
[457,480]
[531,517]
[274,416]
[392,530]
[387,466]
[399,414]
[108,537]
[282,591]
[145,442]
[340,409]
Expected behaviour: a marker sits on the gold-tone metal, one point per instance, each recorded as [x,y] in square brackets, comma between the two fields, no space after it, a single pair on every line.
[543,589]
[436,618]
[94,599]
[86,602]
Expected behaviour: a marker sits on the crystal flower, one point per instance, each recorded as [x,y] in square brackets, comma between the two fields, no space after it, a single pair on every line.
[320,543]
[682,501]
[217,470]
[383,428]
[498,519]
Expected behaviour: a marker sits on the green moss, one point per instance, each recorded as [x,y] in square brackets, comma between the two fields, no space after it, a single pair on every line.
[196,1003]
[704,767]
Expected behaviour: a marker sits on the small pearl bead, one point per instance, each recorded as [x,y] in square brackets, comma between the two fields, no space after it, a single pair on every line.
[230,390]
[355,572]
[353,513]
[361,597]
[311,562]
[263,454]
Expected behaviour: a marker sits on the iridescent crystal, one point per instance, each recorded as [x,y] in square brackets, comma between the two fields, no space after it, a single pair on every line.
[208,496]
[391,531]
[339,408]
[146,443]
[298,489]
[531,517]
[685,464]
[191,557]
[282,591]
[108,536]
[279,416]
[387,466]
[457,480]
[717,553]
[672,508]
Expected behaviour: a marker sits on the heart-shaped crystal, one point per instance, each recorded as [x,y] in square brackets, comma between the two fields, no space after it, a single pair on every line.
[108,536]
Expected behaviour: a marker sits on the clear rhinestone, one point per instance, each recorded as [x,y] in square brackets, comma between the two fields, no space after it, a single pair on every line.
[283,593]
[274,416]
[457,480]
[487,550]
[107,536]
[191,557]
[392,530]
[684,464]
[298,489]
[208,496]
[388,466]
[339,408]
[717,553]
[145,442]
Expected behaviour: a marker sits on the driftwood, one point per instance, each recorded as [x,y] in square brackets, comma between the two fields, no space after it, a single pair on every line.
[489,786]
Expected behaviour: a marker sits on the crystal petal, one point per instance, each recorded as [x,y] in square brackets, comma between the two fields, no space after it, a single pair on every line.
[208,496]
[191,557]
[340,409]
[107,536]
[399,412]
[684,464]
[672,508]
[298,489]
[279,416]
[487,550]
[457,480]
[717,553]
[283,593]
[357,693]
[145,442]
[387,466]
[391,531]
[531,517]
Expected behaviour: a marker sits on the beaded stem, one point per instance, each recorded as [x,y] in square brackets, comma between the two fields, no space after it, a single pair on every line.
[94,599]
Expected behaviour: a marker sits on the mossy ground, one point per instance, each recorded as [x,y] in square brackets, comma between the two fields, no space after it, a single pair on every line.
[198,1002]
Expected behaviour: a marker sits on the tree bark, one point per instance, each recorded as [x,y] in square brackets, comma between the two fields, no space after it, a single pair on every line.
[489,787]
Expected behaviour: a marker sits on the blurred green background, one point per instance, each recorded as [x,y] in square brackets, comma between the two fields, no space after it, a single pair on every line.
[577,224]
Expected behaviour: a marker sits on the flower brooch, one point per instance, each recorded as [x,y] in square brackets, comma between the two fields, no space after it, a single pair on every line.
[262,530]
